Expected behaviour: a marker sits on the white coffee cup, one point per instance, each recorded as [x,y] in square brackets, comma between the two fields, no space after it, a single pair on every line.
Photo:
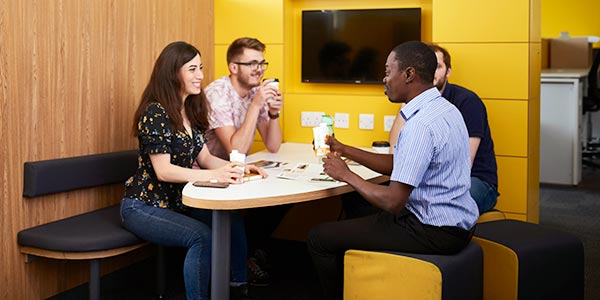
[274,83]
[381,147]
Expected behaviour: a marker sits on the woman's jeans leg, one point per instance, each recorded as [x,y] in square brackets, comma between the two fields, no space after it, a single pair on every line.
[169,228]
[239,246]
[484,194]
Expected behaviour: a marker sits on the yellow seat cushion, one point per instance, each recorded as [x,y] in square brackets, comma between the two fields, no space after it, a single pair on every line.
[493,215]
[383,276]
[500,271]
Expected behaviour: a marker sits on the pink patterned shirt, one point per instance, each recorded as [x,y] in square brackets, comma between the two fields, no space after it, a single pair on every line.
[227,109]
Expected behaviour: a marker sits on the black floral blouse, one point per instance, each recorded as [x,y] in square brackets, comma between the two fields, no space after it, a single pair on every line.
[156,136]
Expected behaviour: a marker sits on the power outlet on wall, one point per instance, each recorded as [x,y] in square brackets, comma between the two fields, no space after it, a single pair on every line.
[388,122]
[341,120]
[310,118]
[366,121]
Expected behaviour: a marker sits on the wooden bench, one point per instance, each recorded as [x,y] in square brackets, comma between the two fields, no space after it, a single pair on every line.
[89,236]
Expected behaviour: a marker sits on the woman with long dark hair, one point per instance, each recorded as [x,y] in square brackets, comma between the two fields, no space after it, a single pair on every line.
[169,123]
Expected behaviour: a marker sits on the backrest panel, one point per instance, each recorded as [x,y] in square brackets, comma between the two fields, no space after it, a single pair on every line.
[65,174]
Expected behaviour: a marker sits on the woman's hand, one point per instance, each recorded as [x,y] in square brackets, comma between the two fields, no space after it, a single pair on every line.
[230,172]
[256,170]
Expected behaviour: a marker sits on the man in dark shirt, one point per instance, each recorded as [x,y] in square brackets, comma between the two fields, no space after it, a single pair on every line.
[484,177]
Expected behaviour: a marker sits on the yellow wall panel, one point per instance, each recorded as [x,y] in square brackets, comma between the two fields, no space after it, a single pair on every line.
[481,21]
[508,124]
[578,18]
[533,180]
[497,71]
[535,17]
[495,52]
[512,184]
[221,61]
[274,55]
[260,19]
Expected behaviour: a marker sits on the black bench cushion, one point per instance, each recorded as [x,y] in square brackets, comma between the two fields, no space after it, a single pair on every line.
[551,261]
[65,174]
[461,273]
[93,231]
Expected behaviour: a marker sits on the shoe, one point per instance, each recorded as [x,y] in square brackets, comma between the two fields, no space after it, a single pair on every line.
[239,293]
[261,258]
[256,275]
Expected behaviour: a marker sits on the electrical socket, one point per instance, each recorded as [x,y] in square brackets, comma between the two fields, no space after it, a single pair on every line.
[341,120]
[311,118]
[366,121]
[388,122]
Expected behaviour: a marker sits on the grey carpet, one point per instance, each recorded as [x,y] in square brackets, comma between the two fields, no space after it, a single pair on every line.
[577,210]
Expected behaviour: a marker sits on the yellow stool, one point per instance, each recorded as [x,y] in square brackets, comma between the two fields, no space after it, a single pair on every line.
[370,275]
[492,215]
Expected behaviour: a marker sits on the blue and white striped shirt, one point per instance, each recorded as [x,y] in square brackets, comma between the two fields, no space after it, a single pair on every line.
[432,155]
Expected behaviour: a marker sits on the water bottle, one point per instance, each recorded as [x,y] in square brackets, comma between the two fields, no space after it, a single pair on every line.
[328,120]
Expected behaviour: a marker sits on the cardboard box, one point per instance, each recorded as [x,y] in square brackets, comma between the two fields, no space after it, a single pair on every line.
[570,53]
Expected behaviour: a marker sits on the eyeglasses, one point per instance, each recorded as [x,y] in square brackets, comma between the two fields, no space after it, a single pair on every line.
[253,64]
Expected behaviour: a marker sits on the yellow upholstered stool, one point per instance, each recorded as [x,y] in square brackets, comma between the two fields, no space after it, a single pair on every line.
[370,275]
[529,261]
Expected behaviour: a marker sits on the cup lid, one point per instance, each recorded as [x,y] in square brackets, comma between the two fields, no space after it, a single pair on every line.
[380,144]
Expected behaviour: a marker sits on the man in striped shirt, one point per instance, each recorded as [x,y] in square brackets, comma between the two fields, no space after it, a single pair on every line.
[427,207]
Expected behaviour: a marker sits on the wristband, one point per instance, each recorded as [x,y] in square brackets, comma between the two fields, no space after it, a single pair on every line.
[273,116]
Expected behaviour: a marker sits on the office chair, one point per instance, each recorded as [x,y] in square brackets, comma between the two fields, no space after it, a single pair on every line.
[591,103]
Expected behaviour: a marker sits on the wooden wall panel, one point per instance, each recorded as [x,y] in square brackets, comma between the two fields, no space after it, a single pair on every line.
[71,74]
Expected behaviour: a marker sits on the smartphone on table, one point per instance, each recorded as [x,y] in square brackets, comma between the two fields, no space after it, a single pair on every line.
[213,184]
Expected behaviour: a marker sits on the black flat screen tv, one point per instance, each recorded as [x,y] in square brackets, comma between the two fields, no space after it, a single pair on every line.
[351,46]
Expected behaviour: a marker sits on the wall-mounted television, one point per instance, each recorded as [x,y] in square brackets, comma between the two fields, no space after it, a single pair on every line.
[351,46]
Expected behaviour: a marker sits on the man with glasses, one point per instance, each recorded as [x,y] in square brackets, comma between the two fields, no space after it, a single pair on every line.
[240,104]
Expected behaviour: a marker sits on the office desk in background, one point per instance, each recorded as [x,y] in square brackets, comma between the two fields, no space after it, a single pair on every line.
[561,125]
[260,193]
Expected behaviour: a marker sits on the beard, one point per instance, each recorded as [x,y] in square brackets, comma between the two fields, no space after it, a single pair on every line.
[246,80]
[441,84]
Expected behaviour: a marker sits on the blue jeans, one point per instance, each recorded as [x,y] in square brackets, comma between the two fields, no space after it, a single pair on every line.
[192,231]
[484,194]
